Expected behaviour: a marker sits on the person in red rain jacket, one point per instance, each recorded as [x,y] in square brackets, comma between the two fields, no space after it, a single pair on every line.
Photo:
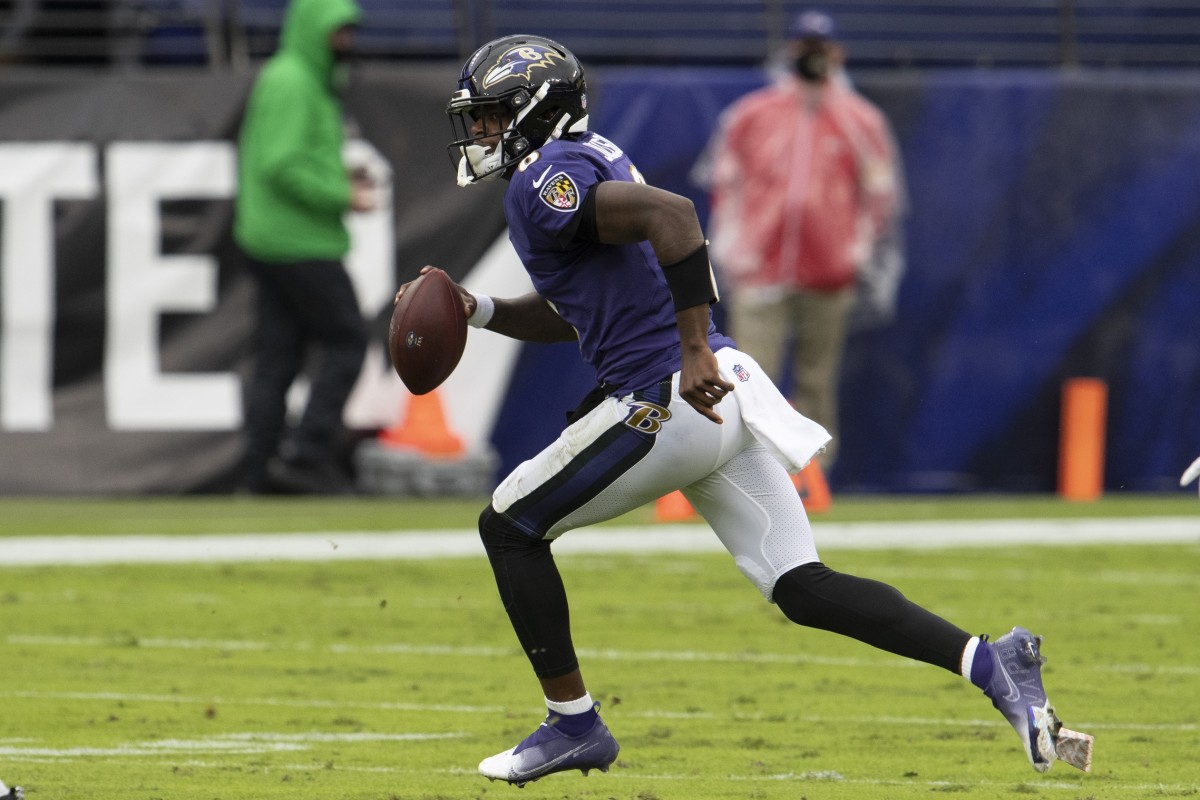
[805,183]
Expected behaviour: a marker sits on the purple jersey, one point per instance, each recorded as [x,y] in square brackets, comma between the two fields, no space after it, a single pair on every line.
[615,296]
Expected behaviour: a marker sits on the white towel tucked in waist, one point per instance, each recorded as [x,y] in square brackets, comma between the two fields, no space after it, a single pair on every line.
[792,438]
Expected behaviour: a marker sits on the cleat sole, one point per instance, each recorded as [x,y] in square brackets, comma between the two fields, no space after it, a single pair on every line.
[1048,725]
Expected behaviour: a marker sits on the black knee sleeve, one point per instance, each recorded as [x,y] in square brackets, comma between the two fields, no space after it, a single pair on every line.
[872,612]
[532,592]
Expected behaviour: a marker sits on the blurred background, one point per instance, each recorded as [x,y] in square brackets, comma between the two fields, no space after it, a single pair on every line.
[1051,152]
[1043,34]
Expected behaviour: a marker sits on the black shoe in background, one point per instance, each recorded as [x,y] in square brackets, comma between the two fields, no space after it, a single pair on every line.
[307,477]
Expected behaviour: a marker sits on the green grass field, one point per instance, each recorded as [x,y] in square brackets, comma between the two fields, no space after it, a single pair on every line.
[167,515]
[392,679]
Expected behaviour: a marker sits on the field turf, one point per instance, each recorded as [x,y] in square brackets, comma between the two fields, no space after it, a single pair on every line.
[392,679]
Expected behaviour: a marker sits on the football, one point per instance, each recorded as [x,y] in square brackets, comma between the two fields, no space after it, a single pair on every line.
[428,332]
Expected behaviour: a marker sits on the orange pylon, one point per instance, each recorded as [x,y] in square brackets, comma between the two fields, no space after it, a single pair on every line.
[813,489]
[1081,439]
[423,427]
[673,507]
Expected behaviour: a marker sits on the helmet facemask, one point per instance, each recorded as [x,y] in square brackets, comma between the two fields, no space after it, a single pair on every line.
[478,160]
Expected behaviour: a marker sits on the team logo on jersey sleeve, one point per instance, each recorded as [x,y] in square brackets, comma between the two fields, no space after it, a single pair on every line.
[560,192]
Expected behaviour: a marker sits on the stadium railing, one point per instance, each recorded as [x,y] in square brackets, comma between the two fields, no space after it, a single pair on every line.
[896,34]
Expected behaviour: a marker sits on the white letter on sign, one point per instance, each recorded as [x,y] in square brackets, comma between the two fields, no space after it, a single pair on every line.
[32,176]
[142,283]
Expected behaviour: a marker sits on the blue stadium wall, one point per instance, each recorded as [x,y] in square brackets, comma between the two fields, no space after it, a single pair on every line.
[1053,231]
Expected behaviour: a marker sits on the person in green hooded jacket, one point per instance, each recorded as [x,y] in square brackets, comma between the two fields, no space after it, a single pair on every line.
[293,193]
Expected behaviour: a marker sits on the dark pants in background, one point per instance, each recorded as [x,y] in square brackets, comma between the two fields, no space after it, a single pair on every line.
[308,316]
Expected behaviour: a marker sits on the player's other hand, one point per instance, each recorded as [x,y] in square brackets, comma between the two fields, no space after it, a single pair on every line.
[362,198]
[701,385]
[364,194]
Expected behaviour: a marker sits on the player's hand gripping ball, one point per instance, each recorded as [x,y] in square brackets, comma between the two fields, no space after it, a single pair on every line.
[428,332]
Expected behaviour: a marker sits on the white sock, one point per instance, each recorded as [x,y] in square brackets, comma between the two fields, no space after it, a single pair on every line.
[569,707]
[968,658]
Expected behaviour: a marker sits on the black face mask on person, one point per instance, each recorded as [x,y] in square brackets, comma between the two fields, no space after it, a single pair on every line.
[345,63]
[812,66]
[341,45]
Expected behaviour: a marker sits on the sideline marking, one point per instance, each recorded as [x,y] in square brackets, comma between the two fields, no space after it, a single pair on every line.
[427,544]
[457,651]
[864,719]
[229,743]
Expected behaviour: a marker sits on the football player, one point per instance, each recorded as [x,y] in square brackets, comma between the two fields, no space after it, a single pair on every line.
[622,268]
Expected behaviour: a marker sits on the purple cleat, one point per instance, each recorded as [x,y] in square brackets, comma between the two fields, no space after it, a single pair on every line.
[1016,691]
[548,750]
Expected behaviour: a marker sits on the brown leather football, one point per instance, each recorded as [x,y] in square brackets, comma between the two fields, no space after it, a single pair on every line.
[428,332]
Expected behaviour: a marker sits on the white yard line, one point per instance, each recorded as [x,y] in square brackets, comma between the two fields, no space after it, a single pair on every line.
[229,743]
[273,738]
[429,544]
[455,651]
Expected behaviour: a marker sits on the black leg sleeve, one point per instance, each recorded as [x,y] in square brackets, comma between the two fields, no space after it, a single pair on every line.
[532,592]
[872,612]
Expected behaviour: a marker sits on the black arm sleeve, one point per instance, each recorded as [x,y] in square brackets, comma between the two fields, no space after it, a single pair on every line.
[691,280]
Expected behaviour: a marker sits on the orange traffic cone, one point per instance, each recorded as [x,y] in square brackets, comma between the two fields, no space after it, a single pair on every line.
[423,427]
[813,489]
[673,507]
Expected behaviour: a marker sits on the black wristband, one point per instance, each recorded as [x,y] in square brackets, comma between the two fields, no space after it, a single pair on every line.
[691,280]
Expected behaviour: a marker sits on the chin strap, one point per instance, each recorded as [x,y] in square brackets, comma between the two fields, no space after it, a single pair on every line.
[578,126]
[478,165]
